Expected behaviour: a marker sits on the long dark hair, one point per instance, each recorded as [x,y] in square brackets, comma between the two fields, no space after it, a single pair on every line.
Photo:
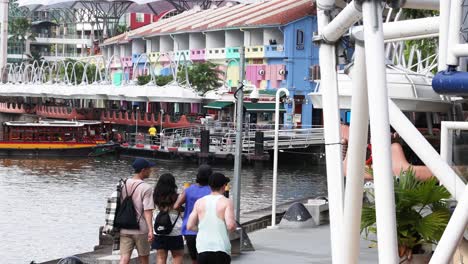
[165,191]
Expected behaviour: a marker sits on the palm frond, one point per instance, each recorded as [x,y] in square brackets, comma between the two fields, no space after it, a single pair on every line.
[433,225]
[421,211]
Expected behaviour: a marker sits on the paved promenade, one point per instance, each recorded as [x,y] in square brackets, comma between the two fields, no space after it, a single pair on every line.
[297,246]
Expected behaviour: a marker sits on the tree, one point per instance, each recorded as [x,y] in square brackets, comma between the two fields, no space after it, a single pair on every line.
[203,77]
[121,29]
[427,46]
[20,30]
[35,56]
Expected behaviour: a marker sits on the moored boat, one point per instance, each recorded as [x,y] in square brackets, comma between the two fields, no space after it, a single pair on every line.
[54,138]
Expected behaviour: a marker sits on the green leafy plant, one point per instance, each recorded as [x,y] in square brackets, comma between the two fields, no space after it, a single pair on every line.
[79,70]
[161,80]
[202,76]
[421,213]
[143,79]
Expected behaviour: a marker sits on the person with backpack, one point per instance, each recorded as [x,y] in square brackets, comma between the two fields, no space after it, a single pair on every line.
[134,214]
[213,217]
[189,196]
[167,222]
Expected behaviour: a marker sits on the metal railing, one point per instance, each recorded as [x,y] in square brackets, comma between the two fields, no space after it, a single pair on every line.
[224,138]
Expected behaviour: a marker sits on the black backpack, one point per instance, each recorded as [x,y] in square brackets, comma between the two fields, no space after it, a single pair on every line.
[163,224]
[126,215]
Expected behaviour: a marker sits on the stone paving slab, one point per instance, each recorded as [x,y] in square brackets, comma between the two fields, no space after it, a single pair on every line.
[311,245]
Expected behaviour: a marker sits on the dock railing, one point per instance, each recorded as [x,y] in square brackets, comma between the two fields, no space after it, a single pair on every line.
[223,137]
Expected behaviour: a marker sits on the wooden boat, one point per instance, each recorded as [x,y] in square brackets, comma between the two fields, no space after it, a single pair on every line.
[54,138]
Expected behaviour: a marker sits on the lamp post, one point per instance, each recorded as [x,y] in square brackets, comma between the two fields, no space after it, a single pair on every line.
[275,156]
[161,129]
[3,34]
[238,153]
[136,123]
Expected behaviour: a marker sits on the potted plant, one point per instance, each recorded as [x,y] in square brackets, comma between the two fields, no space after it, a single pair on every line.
[421,214]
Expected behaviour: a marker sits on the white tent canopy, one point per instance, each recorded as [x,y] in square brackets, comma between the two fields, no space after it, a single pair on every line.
[149,93]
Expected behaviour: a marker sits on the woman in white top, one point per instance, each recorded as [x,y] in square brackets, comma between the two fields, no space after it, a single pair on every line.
[165,195]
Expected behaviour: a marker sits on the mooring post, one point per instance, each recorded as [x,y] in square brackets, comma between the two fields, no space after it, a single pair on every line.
[204,146]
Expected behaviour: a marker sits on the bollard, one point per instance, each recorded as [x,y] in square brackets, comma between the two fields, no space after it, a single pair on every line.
[205,141]
[259,143]
[259,151]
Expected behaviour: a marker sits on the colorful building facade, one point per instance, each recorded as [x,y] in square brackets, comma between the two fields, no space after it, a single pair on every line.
[276,36]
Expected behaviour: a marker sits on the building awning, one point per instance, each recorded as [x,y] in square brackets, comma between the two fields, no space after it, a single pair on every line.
[218,105]
[262,107]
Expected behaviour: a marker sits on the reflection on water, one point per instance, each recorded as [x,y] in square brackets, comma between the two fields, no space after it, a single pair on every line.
[51,208]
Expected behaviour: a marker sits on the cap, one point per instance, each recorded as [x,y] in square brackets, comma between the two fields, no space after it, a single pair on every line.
[217,180]
[140,164]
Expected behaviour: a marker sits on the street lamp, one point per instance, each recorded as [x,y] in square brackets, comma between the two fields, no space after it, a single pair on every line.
[161,129]
[275,156]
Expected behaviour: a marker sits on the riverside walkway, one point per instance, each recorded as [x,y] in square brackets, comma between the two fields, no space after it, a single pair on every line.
[311,245]
[305,245]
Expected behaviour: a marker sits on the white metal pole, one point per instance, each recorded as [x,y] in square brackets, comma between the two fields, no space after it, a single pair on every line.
[425,151]
[454,31]
[3,35]
[380,132]
[356,157]
[275,155]
[443,33]
[407,28]
[342,22]
[453,232]
[335,181]
[446,143]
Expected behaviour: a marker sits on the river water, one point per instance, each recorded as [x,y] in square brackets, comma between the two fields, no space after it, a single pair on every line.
[51,208]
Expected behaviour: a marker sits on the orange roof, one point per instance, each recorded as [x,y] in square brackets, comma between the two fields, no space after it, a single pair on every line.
[260,14]
[122,38]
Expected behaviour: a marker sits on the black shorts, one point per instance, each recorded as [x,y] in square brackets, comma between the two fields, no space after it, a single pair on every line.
[191,241]
[168,242]
[217,257]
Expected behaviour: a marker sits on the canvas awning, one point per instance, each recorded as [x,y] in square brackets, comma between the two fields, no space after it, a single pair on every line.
[262,107]
[218,105]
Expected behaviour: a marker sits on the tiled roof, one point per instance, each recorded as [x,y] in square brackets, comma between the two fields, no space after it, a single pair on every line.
[122,38]
[265,13]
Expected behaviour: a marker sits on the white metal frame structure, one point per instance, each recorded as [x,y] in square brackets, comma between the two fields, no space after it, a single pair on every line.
[370,102]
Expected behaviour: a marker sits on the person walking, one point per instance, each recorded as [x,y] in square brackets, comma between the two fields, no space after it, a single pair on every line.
[152,132]
[213,217]
[167,223]
[142,197]
[188,197]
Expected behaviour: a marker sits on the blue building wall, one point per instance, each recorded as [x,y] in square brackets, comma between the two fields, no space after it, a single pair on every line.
[301,54]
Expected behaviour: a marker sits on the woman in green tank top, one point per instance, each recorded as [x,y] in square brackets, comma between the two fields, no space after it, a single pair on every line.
[213,216]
